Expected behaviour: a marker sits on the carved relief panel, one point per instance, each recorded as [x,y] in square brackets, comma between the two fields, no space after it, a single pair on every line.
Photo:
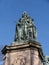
[20,58]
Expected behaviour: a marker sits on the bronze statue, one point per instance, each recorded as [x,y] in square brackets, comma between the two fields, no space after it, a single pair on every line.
[25,29]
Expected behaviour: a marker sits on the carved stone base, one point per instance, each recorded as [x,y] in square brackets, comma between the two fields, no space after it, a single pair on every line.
[23,54]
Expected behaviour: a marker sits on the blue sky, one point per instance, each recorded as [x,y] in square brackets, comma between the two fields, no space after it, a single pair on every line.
[11,11]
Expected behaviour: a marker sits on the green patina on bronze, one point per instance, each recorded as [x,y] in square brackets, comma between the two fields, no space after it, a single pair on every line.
[25,29]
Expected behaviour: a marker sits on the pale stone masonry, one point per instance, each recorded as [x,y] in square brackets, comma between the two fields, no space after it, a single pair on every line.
[23,54]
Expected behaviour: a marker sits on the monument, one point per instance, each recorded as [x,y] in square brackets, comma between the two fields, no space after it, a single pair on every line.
[25,50]
[25,29]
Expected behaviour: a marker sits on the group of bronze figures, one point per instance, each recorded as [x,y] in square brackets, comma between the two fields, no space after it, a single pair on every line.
[25,29]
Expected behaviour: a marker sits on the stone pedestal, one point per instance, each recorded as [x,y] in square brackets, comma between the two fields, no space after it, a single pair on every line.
[23,54]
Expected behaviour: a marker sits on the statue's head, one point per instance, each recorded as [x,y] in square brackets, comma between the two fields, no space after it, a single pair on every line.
[24,14]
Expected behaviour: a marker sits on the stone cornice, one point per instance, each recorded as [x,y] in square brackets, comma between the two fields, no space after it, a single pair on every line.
[20,46]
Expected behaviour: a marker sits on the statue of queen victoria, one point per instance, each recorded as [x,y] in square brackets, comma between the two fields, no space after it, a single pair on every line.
[25,29]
